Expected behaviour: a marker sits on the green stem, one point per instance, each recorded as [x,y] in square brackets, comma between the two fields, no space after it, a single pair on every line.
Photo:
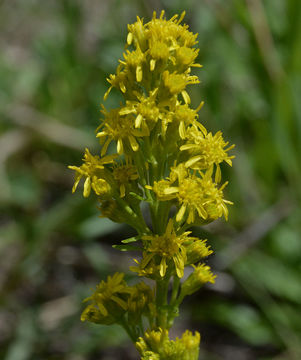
[141,326]
[142,171]
[175,289]
[128,330]
[163,212]
[173,308]
[161,302]
[133,219]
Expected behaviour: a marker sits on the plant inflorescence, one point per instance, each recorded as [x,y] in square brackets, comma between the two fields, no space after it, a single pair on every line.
[165,164]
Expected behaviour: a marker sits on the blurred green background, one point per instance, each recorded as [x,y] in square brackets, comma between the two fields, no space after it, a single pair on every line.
[55,56]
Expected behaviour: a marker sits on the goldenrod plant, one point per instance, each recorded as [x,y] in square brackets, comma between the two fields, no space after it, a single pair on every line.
[166,165]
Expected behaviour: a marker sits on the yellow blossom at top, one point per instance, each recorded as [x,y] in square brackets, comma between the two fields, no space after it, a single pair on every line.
[158,63]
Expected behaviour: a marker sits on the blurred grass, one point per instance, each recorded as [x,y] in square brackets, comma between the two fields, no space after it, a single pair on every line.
[54,59]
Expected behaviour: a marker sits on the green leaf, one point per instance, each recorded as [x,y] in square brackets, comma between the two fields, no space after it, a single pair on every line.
[126,247]
[136,196]
[130,240]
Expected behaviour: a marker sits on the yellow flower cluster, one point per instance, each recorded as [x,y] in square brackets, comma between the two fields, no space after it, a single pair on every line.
[156,156]
[157,119]
[170,252]
[156,345]
[113,300]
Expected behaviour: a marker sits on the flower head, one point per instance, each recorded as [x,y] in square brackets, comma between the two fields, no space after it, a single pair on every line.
[201,275]
[206,150]
[141,302]
[124,174]
[197,196]
[160,46]
[165,250]
[196,250]
[157,345]
[92,170]
[108,302]
[145,110]
[118,128]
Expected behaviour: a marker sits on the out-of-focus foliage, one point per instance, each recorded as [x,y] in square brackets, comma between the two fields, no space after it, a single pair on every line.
[54,59]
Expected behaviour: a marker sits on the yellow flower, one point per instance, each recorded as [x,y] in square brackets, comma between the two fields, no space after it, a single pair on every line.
[109,301]
[190,194]
[186,56]
[133,60]
[156,345]
[118,81]
[191,344]
[136,34]
[206,150]
[159,52]
[124,173]
[155,118]
[215,204]
[200,276]
[145,110]
[185,116]
[91,169]
[196,196]
[118,128]
[153,340]
[141,302]
[150,270]
[196,250]
[169,248]
[176,83]
[160,188]
[170,30]
[158,45]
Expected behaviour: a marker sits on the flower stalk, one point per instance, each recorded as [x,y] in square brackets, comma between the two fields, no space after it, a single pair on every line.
[163,157]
